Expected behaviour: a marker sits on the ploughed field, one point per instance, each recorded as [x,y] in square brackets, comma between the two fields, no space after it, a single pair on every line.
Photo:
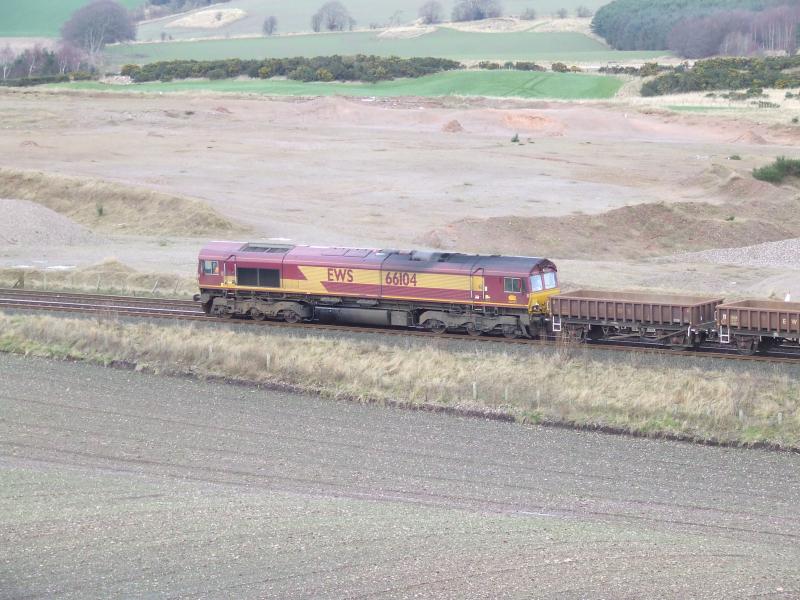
[117,483]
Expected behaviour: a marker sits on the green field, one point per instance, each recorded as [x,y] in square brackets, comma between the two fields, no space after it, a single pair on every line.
[295,16]
[445,43]
[518,84]
[40,18]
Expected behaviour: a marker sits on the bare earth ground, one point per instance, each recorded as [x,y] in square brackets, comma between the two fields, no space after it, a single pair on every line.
[123,484]
[393,173]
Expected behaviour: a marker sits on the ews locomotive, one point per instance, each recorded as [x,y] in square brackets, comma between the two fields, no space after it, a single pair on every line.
[438,291]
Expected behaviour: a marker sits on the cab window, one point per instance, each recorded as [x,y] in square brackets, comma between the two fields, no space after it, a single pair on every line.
[550,280]
[512,285]
[536,283]
[210,267]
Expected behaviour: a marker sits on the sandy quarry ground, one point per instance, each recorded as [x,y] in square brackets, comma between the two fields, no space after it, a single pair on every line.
[120,484]
[399,173]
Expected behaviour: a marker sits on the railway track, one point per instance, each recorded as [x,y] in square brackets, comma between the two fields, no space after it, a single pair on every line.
[188,310]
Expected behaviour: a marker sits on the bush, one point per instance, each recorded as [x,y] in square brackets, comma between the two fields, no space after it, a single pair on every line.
[779,170]
[217,74]
[485,64]
[476,10]
[559,67]
[528,66]
[129,70]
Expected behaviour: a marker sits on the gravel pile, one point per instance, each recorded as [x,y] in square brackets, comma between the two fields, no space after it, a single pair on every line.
[26,223]
[784,253]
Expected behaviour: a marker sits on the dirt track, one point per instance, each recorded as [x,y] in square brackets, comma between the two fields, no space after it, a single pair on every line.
[123,484]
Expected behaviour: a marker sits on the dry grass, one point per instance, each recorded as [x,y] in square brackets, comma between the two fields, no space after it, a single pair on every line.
[108,277]
[637,394]
[110,207]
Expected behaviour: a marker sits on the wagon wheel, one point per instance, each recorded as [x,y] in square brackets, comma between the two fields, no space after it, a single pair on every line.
[677,341]
[257,315]
[746,346]
[291,316]
[472,330]
[510,332]
[573,335]
[435,326]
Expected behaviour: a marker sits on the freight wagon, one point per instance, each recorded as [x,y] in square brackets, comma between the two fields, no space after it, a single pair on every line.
[677,321]
[438,291]
[758,325]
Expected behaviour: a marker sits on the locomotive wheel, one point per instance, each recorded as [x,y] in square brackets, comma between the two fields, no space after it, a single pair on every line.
[435,326]
[510,332]
[472,330]
[225,315]
[291,317]
[257,315]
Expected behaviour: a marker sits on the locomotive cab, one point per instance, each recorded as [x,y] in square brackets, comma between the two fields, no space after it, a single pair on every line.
[543,284]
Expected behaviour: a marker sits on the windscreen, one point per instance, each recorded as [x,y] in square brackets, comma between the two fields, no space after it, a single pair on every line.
[536,283]
[550,281]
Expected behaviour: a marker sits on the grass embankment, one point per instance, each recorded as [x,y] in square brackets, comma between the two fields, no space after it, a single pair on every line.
[635,393]
[110,207]
[516,84]
[778,170]
[107,277]
[567,47]
[40,18]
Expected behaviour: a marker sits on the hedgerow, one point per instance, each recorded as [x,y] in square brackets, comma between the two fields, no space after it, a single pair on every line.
[320,68]
[727,74]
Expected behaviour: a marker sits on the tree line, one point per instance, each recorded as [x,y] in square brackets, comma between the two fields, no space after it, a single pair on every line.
[727,74]
[697,28]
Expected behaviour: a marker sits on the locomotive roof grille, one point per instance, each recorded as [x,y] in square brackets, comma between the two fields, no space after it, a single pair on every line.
[269,249]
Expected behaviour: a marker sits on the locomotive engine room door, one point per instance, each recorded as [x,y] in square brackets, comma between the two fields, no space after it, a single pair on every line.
[230,270]
[478,286]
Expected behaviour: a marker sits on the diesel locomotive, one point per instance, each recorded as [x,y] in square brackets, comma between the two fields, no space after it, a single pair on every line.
[438,291]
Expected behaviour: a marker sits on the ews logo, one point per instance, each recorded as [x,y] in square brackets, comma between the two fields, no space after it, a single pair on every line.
[340,275]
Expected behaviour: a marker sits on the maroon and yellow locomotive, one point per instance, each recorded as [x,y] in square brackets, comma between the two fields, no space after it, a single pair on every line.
[438,291]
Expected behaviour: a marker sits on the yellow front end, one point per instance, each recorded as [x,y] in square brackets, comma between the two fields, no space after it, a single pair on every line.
[539,302]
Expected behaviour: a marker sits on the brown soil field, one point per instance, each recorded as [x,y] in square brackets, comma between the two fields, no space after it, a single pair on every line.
[117,484]
[603,187]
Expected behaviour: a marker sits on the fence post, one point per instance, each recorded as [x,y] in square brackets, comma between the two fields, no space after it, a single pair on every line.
[475,390]
[98,283]
[155,287]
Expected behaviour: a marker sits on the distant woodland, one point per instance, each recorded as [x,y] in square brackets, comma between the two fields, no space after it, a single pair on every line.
[701,28]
